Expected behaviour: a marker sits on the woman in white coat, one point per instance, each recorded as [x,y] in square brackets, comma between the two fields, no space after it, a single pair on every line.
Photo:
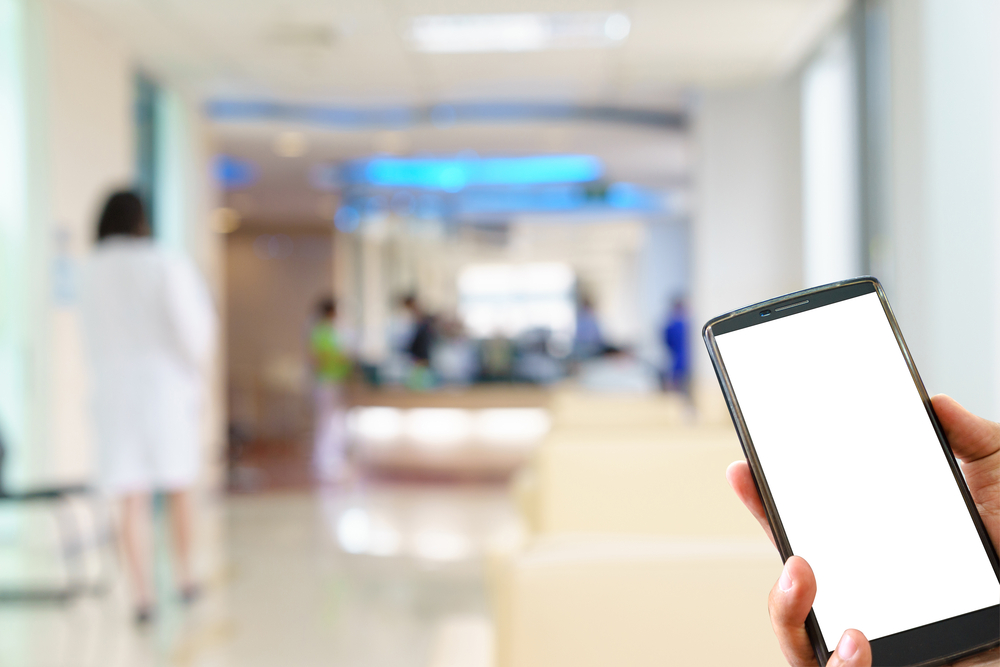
[150,331]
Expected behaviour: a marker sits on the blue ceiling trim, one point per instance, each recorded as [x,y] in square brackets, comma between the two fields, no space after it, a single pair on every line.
[361,202]
[442,115]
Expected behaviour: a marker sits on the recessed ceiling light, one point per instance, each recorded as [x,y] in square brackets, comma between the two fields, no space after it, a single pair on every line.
[470,33]
[290,144]
[226,220]
[617,27]
[302,35]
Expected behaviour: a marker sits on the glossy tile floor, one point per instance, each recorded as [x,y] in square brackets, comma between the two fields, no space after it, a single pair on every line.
[373,575]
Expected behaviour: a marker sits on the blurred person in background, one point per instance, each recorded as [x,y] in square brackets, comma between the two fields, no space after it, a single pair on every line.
[677,374]
[496,359]
[617,370]
[420,345]
[395,369]
[534,362]
[150,331]
[331,365]
[454,359]
[588,341]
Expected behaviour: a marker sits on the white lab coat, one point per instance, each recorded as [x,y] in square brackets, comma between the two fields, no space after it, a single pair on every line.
[150,331]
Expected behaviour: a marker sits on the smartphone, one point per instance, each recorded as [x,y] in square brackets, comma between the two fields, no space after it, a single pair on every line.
[856,475]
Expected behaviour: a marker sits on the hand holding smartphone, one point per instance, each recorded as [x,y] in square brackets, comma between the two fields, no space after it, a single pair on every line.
[855,474]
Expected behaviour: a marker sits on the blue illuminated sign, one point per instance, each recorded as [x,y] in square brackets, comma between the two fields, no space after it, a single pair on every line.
[454,175]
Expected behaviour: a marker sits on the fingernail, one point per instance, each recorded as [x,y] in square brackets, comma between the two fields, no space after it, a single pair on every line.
[847,647]
[785,581]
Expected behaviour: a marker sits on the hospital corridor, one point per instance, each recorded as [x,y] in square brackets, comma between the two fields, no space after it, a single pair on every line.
[369,334]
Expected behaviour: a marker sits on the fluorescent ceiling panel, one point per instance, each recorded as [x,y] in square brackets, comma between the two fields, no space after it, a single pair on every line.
[482,33]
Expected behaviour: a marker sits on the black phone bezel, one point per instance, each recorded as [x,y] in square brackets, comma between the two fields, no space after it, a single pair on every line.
[926,646]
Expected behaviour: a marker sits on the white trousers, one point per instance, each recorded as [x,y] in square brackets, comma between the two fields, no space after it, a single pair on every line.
[330,431]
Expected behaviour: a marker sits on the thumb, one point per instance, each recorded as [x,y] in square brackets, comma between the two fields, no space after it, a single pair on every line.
[853,650]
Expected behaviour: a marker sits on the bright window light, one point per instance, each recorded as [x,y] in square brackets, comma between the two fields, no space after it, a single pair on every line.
[470,33]
[510,299]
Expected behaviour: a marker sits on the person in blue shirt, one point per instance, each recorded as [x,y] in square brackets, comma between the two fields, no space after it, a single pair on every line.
[677,375]
[588,341]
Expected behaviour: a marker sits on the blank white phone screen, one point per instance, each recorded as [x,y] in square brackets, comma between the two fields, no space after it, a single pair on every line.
[857,474]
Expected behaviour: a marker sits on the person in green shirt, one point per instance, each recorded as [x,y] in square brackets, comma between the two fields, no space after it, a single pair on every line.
[332,366]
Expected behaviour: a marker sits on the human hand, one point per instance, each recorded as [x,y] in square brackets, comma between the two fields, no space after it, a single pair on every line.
[976,443]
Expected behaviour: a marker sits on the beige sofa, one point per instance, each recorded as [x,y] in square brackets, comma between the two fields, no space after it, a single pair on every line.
[637,602]
[667,481]
[639,554]
[572,408]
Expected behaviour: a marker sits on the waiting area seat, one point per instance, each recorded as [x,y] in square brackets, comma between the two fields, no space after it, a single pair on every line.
[639,553]
[573,408]
[60,500]
[666,481]
[593,602]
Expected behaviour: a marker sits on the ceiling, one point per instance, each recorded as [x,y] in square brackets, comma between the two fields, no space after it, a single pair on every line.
[650,157]
[357,52]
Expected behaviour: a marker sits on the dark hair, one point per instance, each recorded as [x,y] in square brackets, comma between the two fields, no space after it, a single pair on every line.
[327,307]
[123,215]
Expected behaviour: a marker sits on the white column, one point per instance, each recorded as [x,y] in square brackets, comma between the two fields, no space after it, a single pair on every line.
[747,227]
[374,301]
[831,220]
[14,228]
[186,194]
[945,214]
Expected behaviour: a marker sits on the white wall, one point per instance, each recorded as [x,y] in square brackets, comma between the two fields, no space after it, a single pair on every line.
[831,207]
[90,151]
[71,142]
[747,228]
[664,274]
[945,179]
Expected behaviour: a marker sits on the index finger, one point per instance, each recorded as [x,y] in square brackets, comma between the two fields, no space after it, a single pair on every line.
[739,477]
[971,437]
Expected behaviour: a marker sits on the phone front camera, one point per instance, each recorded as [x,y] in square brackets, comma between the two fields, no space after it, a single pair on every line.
[765,313]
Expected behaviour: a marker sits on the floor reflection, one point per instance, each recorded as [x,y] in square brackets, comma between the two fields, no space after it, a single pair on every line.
[375,574]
